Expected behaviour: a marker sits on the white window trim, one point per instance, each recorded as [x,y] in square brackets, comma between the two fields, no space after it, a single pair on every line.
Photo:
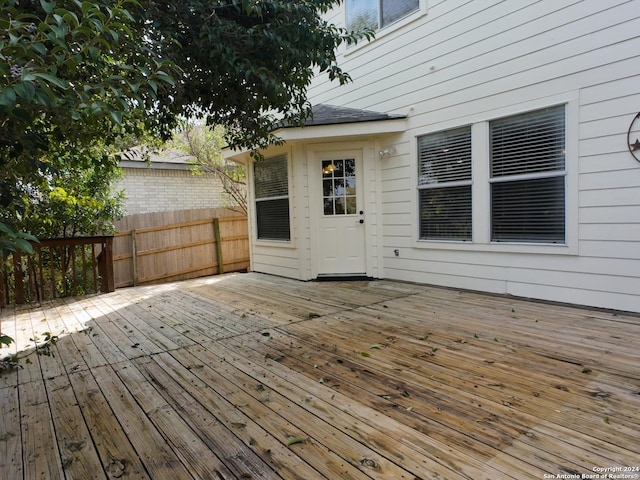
[386,30]
[480,190]
[254,224]
[458,183]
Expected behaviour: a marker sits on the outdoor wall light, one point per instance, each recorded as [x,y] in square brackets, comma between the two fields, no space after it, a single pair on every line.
[387,151]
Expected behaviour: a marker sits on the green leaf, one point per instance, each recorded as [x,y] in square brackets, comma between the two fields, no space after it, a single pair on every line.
[165,77]
[94,53]
[51,79]
[43,99]
[26,90]
[294,440]
[6,340]
[23,245]
[117,116]
[40,48]
[376,346]
[365,354]
[8,96]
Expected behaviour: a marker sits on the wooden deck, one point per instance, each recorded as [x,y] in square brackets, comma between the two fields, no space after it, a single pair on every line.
[249,376]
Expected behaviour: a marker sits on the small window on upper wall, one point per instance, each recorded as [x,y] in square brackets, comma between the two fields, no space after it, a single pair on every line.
[377,14]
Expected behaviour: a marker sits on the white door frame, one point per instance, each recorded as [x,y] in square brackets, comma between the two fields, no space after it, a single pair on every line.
[315,153]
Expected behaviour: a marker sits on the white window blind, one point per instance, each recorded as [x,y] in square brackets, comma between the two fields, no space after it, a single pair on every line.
[270,176]
[393,10]
[528,177]
[271,185]
[444,184]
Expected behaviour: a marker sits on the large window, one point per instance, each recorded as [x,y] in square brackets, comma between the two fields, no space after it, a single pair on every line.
[444,185]
[499,181]
[272,198]
[528,177]
[376,14]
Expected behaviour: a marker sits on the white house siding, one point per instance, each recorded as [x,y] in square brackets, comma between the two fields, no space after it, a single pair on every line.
[294,259]
[155,190]
[468,62]
[283,258]
[327,148]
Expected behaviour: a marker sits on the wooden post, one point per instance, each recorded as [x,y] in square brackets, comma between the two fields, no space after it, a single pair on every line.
[18,277]
[3,288]
[106,260]
[218,238]
[134,257]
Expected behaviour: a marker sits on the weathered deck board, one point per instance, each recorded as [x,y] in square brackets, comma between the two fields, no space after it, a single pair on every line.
[212,378]
[10,435]
[111,442]
[40,450]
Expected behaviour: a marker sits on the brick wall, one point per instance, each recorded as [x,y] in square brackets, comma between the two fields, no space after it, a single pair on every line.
[154,190]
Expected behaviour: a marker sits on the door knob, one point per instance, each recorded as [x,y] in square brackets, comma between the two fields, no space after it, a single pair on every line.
[361,221]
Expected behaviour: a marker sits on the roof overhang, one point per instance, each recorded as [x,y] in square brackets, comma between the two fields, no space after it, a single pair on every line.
[142,164]
[358,129]
[336,123]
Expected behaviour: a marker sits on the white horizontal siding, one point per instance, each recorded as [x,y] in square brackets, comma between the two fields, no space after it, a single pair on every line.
[468,61]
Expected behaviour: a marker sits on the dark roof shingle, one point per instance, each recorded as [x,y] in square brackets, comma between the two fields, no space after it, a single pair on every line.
[324,114]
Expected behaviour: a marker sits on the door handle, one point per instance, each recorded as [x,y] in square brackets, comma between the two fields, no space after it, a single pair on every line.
[361,221]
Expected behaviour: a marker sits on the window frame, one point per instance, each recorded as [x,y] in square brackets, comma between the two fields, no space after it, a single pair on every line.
[385,30]
[511,178]
[380,14]
[256,200]
[481,196]
[445,185]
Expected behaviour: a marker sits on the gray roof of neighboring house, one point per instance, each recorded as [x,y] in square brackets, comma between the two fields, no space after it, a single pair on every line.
[167,159]
[324,114]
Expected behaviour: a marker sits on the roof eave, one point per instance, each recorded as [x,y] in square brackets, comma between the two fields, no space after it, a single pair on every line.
[335,130]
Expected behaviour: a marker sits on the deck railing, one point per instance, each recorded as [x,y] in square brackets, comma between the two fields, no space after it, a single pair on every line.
[58,268]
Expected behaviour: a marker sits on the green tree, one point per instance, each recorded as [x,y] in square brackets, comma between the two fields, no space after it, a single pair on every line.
[75,198]
[246,64]
[74,80]
[204,144]
[77,71]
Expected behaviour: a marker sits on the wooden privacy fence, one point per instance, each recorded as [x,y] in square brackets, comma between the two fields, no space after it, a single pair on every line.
[180,251]
[58,268]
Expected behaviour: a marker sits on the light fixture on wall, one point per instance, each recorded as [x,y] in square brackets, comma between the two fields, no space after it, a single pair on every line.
[329,168]
[633,137]
[387,151]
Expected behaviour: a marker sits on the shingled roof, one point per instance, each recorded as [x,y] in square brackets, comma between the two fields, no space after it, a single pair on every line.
[324,114]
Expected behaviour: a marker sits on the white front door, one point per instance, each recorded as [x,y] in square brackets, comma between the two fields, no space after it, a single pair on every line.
[341,233]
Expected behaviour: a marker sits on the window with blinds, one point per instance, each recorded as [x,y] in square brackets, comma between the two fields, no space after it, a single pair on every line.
[444,185]
[271,185]
[528,177]
[375,14]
